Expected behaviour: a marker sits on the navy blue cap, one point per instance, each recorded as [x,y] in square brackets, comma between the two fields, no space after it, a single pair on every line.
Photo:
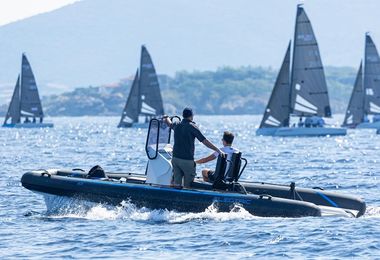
[187,112]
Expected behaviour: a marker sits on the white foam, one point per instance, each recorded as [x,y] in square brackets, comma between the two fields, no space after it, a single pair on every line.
[62,207]
[372,212]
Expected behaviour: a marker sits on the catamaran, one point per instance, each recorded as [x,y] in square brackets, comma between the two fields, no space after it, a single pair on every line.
[144,101]
[365,97]
[300,91]
[25,109]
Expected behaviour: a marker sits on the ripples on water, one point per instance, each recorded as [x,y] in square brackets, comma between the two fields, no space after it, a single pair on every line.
[80,229]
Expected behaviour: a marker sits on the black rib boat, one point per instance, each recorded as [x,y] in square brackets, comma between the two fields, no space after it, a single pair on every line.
[153,189]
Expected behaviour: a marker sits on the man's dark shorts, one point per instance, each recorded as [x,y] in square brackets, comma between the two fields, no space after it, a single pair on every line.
[211,175]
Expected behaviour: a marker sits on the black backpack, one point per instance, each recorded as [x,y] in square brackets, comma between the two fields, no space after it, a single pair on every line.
[96,172]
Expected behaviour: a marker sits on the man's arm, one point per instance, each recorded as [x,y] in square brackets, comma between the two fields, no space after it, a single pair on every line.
[206,159]
[201,138]
[167,120]
[210,145]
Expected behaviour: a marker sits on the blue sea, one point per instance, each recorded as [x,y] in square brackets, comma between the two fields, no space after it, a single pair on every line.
[79,229]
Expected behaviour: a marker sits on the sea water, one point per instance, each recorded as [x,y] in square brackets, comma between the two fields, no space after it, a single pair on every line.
[77,229]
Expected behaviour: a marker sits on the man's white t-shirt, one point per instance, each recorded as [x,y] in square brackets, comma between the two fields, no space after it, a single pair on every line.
[228,150]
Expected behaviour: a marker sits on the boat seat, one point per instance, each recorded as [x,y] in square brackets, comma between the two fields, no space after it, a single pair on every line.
[234,168]
[226,180]
[220,170]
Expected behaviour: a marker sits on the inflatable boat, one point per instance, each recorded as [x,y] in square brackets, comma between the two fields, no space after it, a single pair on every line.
[116,189]
[154,190]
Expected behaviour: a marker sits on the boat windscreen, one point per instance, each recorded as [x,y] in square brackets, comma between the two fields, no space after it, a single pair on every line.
[158,137]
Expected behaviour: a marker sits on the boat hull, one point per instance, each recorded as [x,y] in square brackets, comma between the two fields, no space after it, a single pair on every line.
[163,197]
[352,204]
[134,125]
[318,196]
[301,131]
[29,125]
[373,125]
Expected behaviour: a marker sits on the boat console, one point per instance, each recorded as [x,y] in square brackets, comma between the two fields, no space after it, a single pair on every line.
[159,152]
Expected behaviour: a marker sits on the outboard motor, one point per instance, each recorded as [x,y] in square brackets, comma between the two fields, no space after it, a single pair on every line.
[159,151]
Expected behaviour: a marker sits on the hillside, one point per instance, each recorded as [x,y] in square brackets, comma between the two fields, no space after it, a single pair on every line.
[95,42]
[243,90]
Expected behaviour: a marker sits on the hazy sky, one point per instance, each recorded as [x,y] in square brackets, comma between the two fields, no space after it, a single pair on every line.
[13,10]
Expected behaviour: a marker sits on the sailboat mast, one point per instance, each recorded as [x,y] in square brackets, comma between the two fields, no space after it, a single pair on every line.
[366,112]
[20,83]
[139,81]
[291,108]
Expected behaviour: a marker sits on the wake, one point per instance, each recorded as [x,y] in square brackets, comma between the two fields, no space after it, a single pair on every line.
[63,207]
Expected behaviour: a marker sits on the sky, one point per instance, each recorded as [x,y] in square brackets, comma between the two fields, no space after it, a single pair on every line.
[14,10]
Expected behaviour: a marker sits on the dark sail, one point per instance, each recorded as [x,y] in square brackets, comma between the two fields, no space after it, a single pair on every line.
[151,100]
[14,106]
[309,94]
[277,111]
[30,99]
[355,109]
[131,110]
[371,77]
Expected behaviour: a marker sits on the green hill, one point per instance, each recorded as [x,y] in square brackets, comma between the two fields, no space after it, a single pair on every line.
[243,90]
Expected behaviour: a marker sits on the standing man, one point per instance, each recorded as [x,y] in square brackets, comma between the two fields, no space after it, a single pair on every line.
[185,133]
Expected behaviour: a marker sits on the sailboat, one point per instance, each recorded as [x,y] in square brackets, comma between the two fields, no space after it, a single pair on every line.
[144,101]
[300,90]
[365,97]
[25,109]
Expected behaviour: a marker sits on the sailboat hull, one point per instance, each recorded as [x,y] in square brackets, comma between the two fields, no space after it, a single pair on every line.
[133,125]
[266,131]
[301,131]
[30,125]
[373,125]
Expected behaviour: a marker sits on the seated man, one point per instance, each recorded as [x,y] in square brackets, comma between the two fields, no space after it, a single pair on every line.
[308,122]
[228,138]
[321,122]
[300,123]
